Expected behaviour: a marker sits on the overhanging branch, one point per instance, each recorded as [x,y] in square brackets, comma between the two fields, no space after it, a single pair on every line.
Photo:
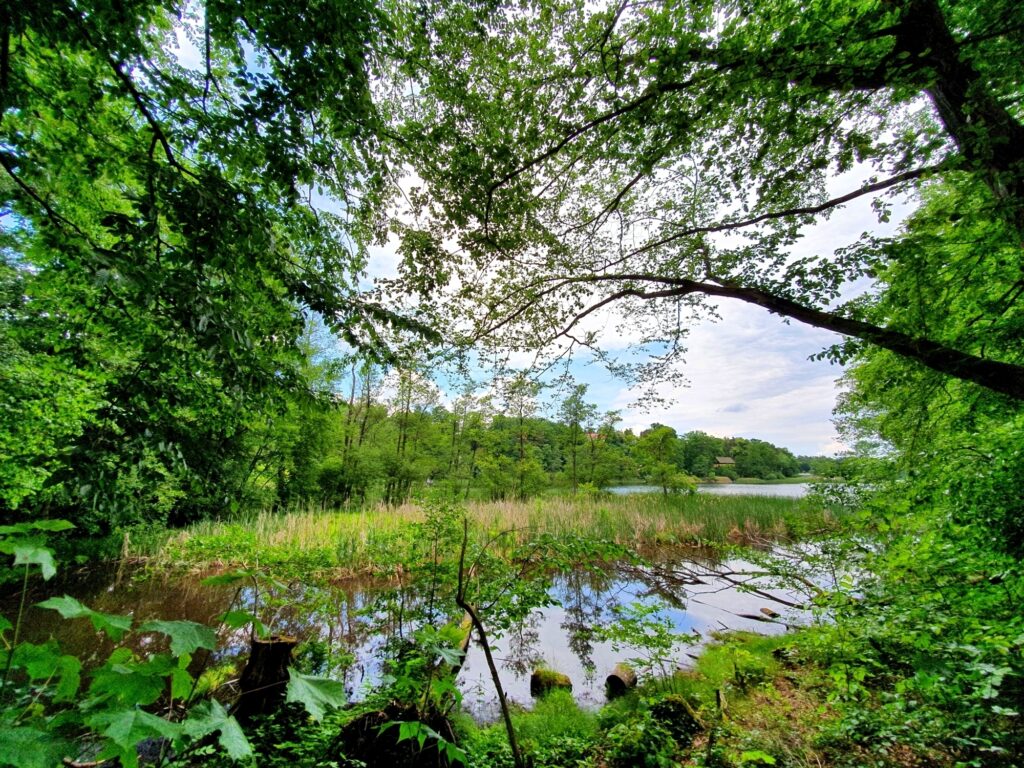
[1002,377]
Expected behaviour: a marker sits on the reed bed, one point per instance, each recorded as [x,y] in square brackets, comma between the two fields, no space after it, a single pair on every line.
[380,539]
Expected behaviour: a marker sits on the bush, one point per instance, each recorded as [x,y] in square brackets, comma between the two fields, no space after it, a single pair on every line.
[640,742]
[676,714]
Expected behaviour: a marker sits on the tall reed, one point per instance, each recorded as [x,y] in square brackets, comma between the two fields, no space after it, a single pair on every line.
[378,538]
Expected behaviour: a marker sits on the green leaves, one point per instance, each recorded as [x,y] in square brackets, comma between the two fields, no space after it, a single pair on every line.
[186,636]
[210,717]
[31,731]
[70,608]
[50,526]
[154,290]
[124,729]
[124,681]
[413,730]
[316,694]
[647,628]
[35,554]
[29,549]
[24,747]
[238,619]
[44,664]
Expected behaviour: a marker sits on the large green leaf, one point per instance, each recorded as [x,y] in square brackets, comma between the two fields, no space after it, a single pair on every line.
[186,636]
[238,619]
[68,607]
[29,748]
[209,717]
[46,663]
[126,728]
[28,553]
[316,694]
[123,681]
[52,526]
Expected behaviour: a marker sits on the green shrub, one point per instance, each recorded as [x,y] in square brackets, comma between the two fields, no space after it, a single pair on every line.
[677,715]
[554,717]
[640,742]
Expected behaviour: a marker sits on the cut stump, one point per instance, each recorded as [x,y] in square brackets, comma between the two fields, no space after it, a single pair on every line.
[265,677]
[622,679]
[544,681]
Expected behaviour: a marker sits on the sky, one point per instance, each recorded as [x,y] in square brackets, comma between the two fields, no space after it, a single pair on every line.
[748,374]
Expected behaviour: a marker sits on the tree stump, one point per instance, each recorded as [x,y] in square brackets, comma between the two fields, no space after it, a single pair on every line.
[546,680]
[265,677]
[622,678]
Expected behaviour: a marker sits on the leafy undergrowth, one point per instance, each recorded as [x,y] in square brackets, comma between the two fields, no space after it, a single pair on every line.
[749,701]
[762,701]
[745,703]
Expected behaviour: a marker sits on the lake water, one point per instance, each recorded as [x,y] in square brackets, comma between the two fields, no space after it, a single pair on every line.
[353,620]
[692,599]
[786,490]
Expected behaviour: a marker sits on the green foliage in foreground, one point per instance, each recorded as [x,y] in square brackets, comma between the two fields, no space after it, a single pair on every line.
[664,722]
[52,709]
[927,649]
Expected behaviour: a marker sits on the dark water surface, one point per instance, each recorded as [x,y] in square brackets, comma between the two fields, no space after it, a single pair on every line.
[344,627]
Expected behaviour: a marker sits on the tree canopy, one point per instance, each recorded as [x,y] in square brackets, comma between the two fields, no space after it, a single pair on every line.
[187,184]
[576,155]
[183,184]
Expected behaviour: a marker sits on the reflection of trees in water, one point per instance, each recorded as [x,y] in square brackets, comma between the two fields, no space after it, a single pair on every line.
[668,585]
[584,595]
[522,640]
[345,626]
[357,618]
[726,576]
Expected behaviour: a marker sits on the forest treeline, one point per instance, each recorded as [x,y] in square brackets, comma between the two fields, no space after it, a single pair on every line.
[377,446]
[352,433]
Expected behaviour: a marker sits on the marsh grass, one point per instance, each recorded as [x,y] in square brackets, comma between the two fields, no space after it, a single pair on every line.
[380,539]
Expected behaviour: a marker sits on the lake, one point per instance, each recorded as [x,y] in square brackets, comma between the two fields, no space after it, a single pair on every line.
[785,490]
[345,626]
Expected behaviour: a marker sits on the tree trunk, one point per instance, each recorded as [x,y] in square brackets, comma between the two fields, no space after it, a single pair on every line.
[460,600]
[265,677]
[985,132]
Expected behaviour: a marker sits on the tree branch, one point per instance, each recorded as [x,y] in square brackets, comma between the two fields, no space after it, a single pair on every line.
[810,210]
[1002,377]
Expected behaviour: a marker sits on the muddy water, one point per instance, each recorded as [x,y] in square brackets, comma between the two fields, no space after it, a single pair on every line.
[345,627]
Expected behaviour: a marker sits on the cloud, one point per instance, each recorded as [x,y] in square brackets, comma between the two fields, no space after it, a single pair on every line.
[735,408]
[750,376]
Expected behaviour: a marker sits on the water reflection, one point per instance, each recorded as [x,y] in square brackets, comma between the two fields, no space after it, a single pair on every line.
[349,629]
